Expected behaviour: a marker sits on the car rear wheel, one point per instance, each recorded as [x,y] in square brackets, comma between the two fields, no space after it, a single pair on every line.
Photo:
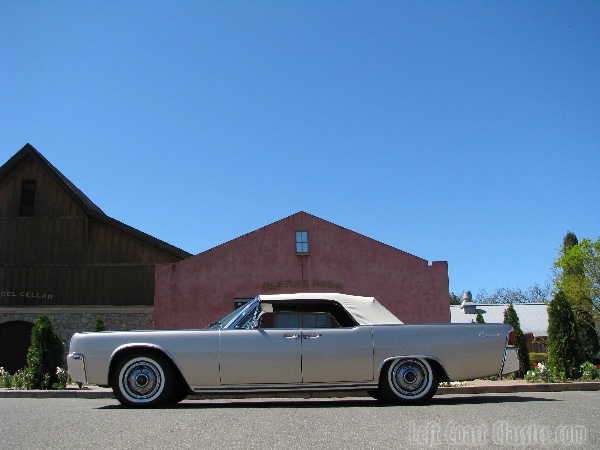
[410,380]
[143,380]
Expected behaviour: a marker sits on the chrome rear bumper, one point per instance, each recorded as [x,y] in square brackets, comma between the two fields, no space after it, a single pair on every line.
[511,361]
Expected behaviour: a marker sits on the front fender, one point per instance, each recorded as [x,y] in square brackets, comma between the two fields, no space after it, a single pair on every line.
[126,349]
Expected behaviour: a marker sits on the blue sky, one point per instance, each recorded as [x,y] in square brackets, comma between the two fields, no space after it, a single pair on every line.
[462,131]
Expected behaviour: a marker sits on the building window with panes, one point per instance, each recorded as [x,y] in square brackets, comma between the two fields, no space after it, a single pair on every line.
[302,242]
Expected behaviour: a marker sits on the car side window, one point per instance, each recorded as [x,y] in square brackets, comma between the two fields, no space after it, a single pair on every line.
[298,319]
[305,314]
[319,320]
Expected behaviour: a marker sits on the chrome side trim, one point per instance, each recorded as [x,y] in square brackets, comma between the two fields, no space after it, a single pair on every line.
[266,388]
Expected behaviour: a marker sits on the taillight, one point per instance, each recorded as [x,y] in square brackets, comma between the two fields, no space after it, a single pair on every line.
[511,337]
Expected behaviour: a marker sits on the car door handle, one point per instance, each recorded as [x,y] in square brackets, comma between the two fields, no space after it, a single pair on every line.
[291,336]
[311,336]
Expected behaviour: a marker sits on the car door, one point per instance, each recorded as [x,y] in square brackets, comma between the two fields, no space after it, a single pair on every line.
[260,356]
[337,354]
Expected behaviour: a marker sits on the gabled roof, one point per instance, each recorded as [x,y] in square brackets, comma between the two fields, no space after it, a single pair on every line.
[29,151]
[86,205]
[308,215]
[533,317]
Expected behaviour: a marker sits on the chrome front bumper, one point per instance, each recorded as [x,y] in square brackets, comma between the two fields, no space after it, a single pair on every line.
[76,365]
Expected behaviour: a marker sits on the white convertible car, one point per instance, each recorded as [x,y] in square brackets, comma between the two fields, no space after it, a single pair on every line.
[293,343]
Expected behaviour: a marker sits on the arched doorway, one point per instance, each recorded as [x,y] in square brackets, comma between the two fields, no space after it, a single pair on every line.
[15,339]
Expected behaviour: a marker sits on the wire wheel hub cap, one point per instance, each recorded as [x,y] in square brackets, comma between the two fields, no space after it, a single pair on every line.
[410,377]
[142,380]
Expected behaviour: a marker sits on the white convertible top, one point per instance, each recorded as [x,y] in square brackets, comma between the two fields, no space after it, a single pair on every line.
[365,310]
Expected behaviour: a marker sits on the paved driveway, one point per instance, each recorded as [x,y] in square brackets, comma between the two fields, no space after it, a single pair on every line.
[526,420]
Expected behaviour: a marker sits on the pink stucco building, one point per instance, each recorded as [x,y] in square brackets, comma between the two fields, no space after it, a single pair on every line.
[300,253]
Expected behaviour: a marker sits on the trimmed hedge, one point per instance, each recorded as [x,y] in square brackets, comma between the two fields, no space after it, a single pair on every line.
[537,358]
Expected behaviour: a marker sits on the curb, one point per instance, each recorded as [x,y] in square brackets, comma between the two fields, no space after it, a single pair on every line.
[520,387]
[104,393]
[66,393]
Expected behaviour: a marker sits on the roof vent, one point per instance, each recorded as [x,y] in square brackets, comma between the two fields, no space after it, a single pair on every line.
[467,304]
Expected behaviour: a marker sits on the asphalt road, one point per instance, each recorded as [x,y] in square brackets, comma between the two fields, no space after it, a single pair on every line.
[527,420]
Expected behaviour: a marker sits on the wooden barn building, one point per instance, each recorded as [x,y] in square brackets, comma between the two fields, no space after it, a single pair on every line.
[62,256]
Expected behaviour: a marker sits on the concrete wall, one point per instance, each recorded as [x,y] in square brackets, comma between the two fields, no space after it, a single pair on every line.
[201,289]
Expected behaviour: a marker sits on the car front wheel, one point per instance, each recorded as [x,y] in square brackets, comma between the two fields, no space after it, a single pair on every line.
[143,380]
[410,380]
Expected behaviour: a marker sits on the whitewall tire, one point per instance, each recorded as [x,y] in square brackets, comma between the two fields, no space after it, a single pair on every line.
[408,380]
[143,380]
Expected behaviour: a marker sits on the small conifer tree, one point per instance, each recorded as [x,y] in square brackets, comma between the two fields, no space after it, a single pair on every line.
[512,318]
[479,317]
[564,346]
[99,324]
[45,354]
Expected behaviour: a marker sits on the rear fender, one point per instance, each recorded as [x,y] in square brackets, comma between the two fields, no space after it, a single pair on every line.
[435,363]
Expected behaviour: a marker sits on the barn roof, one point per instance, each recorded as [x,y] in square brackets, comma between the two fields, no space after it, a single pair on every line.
[87,206]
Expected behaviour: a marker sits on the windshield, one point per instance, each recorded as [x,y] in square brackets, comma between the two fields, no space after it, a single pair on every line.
[232,318]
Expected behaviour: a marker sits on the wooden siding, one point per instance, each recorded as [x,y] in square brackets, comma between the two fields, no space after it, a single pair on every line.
[50,199]
[64,256]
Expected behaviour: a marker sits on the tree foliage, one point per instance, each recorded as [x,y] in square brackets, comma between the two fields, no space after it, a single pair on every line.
[564,347]
[479,318]
[45,354]
[534,294]
[570,240]
[455,299]
[512,318]
[577,272]
[577,275]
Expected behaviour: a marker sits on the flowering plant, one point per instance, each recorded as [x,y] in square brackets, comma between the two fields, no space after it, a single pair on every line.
[23,379]
[5,378]
[589,372]
[63,378]
[539,374]
[453,383]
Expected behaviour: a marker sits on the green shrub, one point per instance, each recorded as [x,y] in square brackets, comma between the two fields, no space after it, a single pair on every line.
[537,358]
[564,346]
[45,354]
[99,325]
